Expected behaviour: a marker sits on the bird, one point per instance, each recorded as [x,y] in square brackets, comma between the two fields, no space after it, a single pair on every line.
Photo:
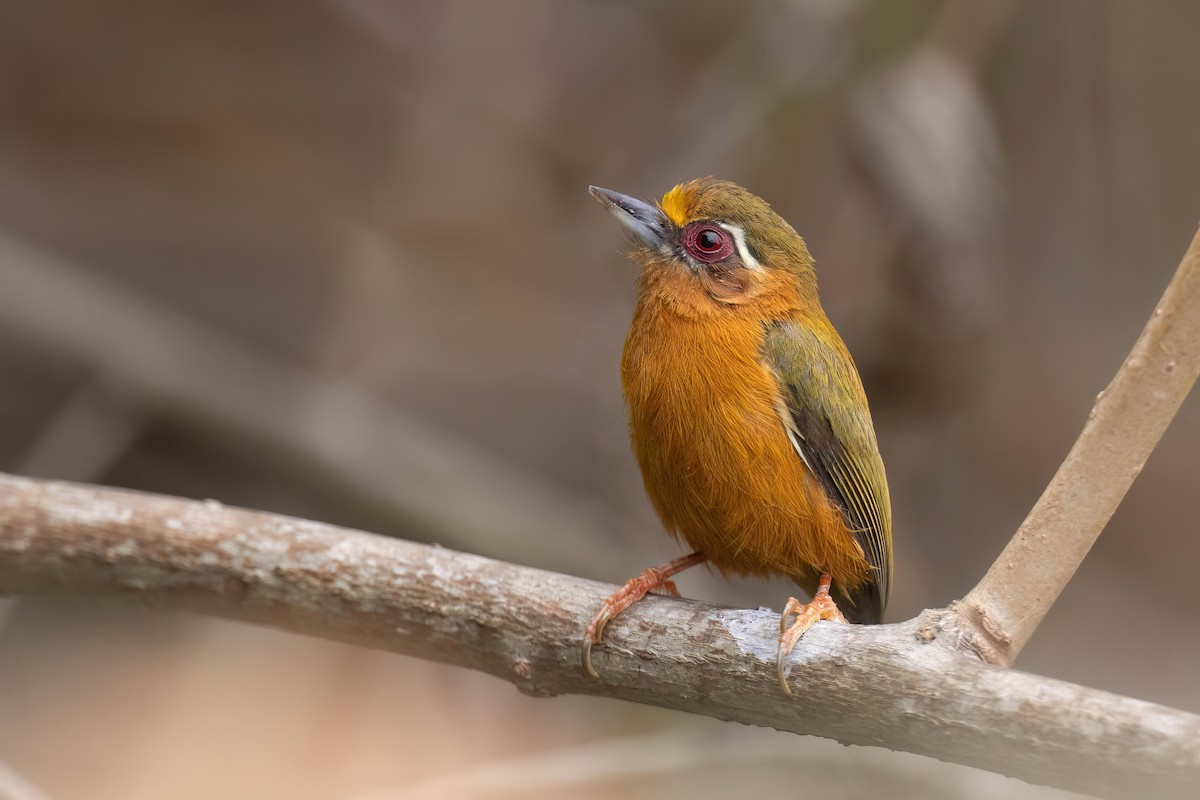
[747,415]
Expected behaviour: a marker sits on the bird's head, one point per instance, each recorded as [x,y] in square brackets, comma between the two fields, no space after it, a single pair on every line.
[713,244]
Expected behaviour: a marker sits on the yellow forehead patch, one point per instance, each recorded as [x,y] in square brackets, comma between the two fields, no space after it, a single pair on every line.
[675,204]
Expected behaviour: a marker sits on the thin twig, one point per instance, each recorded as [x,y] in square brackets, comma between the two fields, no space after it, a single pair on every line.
[904,686]
[1125,424]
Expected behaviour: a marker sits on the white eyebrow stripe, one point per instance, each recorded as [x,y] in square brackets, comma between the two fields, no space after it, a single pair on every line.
[739,238]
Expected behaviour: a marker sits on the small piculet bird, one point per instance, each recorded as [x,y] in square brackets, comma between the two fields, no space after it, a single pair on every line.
[746,412]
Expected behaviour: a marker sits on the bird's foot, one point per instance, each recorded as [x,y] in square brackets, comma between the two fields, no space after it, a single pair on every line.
[807,614]
[655,579]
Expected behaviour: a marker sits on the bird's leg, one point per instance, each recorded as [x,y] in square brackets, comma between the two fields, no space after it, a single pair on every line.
[807,614]
[654,579]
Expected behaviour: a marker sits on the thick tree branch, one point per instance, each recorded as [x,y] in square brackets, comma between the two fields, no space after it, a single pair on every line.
[1125,424]
[902,686]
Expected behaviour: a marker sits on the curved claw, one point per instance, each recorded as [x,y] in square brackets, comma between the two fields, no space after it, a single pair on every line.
[592,636]
[793,605]
[780,658]
[587,659]
[805,618]
[807,615]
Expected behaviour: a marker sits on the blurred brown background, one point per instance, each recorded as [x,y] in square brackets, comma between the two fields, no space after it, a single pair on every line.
[336,259]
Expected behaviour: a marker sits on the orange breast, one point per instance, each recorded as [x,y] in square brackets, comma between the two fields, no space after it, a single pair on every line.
[716,461]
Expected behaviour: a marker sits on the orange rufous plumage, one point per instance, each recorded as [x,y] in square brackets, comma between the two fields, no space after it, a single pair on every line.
[747,415]
[716,461]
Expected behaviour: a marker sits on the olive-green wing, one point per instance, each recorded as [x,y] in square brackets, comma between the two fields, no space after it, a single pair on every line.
[826,416]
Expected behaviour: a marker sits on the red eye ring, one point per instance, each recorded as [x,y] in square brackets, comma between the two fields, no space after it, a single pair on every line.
[707,242]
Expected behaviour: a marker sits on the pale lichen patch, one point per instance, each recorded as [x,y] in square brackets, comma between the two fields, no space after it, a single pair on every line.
[125,549]
[750,631]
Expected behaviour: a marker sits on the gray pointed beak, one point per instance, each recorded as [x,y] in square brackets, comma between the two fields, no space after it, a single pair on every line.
[645,220]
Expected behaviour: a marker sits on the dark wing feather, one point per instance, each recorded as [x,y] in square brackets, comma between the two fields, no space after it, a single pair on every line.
[825,414]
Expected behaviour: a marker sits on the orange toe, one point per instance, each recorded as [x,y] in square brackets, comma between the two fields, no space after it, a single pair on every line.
[821,607]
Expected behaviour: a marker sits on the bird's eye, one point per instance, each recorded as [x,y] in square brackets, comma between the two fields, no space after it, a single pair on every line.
[707,243]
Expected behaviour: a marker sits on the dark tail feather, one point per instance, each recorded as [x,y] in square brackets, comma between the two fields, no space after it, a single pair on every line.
[863,606]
